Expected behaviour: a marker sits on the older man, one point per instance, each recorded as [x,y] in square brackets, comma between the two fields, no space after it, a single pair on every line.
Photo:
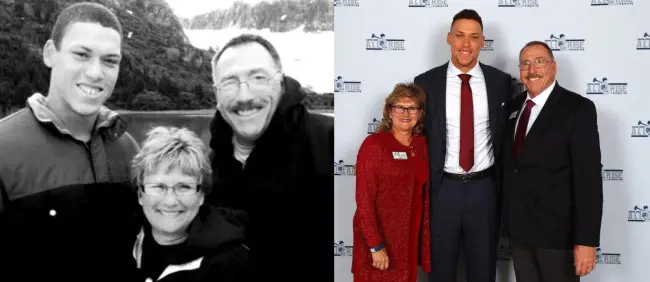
[553,193]
[272,158]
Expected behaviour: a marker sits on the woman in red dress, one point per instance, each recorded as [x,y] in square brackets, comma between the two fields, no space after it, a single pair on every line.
[391,222]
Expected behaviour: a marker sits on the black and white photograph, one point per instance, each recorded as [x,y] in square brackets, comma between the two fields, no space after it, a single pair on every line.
[105,104]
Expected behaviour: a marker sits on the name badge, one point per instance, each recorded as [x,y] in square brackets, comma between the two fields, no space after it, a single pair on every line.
[399,156]
[513,115]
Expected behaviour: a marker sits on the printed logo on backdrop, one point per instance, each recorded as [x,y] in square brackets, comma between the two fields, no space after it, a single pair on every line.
[341,85]
[612,174]
[638,214]
[602,86]
[382,43]
[346,3]
[643,43]
[341,250]
[427,3]
[519,3]
[341,168]
[562,43]
[611,2]
[607,258]
[641,129]
[489,45]
[372,127]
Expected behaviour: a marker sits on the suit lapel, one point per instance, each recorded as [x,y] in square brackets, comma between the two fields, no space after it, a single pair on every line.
[439,97]
[543,119]
[512,123]
[492,97]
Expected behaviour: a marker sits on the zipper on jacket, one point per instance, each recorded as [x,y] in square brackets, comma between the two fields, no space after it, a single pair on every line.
[88,147]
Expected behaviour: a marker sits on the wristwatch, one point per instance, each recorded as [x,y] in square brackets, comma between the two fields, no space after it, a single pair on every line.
[377,248]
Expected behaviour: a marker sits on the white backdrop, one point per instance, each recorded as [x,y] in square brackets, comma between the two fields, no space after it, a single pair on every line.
[615,50]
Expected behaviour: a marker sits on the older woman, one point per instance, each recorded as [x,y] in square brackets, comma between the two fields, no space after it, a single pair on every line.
[182,239]
[391,223]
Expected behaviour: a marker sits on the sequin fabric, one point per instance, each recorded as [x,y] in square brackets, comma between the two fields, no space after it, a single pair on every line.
[392,196]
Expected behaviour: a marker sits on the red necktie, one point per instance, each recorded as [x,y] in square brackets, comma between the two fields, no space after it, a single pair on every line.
[522,126]
[466,155]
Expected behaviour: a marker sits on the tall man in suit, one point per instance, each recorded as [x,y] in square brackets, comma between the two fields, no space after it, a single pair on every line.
[465,121]
[553,193]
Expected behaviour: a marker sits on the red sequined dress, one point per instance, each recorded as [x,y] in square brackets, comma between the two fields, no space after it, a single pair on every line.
[392,196]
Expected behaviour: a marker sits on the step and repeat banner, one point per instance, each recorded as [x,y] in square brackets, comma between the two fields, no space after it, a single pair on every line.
[602,49]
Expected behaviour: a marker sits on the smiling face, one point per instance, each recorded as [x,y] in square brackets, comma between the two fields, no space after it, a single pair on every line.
[465,40]
[170,214]
[536,79]
[402,120]
[84,68]
[250,109]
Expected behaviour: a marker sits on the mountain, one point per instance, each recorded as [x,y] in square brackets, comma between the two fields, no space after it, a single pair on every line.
[160,69]
[277,16]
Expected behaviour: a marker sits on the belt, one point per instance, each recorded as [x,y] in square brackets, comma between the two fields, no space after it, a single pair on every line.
[470,176]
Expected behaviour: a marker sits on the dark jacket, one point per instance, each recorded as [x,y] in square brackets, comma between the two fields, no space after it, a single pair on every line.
[553,191]
[66,208]
[500,90]
[215,250]
[286,188]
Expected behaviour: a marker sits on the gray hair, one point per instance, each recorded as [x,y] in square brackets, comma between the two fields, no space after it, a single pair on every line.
[170,148]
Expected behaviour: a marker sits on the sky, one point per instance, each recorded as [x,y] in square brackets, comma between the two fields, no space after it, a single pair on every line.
[190,8]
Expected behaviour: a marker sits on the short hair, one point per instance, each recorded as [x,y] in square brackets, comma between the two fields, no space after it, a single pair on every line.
[537,43]
[467,14]
[246,39]
[170,148]
[83,12]
[404,90]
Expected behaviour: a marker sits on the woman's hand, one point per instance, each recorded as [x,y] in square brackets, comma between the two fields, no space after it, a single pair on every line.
[380,259]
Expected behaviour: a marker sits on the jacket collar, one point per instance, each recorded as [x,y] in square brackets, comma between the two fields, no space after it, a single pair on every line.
[106,119]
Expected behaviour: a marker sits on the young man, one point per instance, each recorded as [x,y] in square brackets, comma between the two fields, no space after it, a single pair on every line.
[64,160]
[465,121]
[553,190]
[272,158]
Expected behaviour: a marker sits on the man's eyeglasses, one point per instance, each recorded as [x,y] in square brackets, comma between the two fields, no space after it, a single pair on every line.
[538,63]
[410,110]
[256,82]
[180,189]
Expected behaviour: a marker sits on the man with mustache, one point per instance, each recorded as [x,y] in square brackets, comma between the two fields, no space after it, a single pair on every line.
[272,158]
[64,160]
[465,121]
[553,193]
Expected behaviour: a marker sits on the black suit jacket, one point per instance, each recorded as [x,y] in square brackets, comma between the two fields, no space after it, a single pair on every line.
[553,193]
[500,88]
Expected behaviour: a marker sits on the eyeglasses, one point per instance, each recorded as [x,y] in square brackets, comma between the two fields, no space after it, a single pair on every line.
[410,110]
[180,189]
[256,83]
[538,63]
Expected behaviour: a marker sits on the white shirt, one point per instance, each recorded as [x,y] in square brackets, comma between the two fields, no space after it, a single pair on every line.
[483,154]
[539,101]
[241,152]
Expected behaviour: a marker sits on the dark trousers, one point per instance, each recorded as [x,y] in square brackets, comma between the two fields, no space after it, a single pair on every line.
[542,265]
[464,213]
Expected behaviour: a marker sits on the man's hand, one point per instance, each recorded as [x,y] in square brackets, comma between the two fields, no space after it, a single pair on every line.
[380,259]
[584,258]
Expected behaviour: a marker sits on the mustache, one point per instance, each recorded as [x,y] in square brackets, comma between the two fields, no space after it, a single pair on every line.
[248,105]
[533,76]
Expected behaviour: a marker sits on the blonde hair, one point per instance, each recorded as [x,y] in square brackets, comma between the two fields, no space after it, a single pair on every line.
[170,148]
[404,90]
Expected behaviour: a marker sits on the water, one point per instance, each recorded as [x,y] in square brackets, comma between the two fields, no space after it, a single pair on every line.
[196,121]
